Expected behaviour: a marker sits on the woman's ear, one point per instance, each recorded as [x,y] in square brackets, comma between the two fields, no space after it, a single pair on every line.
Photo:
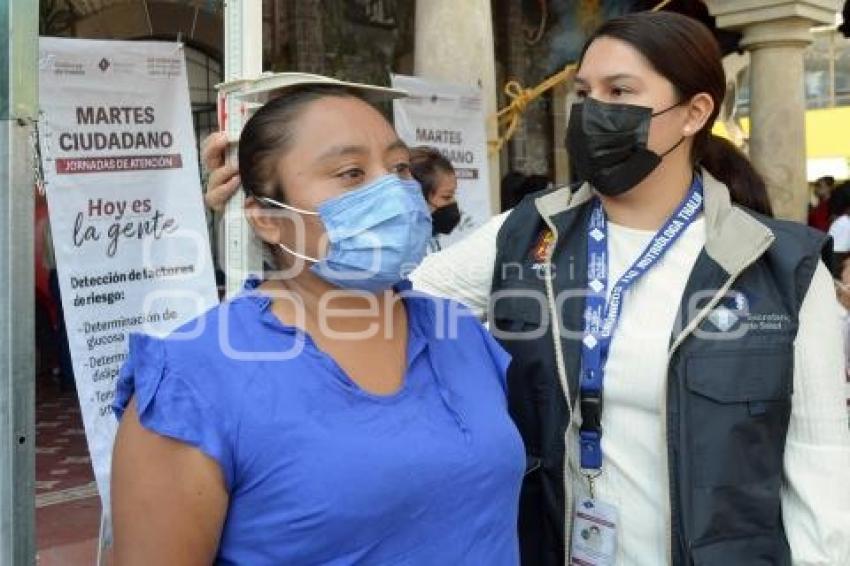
[699,111]
[264,220]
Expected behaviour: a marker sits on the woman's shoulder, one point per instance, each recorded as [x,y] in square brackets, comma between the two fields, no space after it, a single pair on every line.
[206,354]
[177,396]
[789,232]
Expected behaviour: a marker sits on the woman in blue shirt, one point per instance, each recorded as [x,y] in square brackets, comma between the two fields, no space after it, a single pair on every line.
[328,415]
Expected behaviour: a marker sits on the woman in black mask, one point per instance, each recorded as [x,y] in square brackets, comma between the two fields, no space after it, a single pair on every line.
[439,186]
[659,321]
[677,371]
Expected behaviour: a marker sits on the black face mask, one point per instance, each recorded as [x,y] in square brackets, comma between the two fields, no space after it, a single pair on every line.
[607,145]
[445,219]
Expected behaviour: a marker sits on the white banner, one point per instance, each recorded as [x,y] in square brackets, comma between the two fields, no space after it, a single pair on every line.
[449,118]
[126,212]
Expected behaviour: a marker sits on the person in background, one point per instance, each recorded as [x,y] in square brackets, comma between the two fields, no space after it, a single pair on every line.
[323,416]
[439,187]
[819,213]
[839,229]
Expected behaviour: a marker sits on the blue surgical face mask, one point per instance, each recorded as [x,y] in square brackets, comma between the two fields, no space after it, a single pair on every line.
[376,234]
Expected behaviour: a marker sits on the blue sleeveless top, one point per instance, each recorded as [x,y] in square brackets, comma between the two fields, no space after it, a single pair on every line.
[320,471]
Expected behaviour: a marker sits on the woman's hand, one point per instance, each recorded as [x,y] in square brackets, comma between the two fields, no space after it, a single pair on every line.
[223,180]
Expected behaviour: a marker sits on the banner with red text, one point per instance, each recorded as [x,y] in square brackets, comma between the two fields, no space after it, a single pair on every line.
[126,212]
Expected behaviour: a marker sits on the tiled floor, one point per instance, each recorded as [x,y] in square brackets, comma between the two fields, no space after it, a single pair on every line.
[67,505]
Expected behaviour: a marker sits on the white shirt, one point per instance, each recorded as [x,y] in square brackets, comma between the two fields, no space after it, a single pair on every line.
[635,378]
[840,232]
[816,494]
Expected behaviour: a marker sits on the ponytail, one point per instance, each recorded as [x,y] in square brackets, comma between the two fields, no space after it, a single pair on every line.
[731,167]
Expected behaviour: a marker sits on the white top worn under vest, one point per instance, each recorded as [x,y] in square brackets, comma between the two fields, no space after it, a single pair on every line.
[816,494]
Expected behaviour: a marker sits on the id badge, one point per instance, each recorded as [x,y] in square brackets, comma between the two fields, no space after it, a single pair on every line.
[594,536]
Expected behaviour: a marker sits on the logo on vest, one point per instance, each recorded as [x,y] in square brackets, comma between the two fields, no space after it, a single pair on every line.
[733,315]
[723,319]
[731,310]
[540,251]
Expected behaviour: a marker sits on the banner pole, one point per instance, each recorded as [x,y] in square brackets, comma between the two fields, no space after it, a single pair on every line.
[243,60]
[18,112]
[102,543]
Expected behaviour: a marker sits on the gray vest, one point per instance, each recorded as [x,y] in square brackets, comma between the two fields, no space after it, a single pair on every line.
[729,381]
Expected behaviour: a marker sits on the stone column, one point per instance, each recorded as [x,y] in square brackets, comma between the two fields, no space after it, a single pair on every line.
[776,33]
[454,44]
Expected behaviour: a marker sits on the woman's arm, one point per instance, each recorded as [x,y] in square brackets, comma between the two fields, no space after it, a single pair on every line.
[816,496]
[168,499]
[464,270]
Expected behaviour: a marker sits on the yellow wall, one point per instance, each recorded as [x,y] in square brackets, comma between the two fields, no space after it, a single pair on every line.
[827,132]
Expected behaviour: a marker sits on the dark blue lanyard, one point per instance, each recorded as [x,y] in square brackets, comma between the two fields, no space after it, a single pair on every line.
[601,313]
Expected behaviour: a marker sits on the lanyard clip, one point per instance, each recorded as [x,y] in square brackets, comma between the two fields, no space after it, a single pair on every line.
[591,449]
[590,433]
[591,405]
[591,482]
